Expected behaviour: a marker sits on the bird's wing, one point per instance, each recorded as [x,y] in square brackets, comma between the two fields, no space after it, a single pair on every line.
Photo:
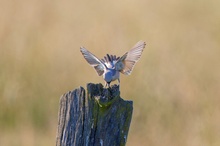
[93,61]
[125,64]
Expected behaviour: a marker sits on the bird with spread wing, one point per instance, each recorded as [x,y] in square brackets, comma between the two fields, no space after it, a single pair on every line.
[111,66]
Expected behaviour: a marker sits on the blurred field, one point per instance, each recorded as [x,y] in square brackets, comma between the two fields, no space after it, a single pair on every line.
[175,86]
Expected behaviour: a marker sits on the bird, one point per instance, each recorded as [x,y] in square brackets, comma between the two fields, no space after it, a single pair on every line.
[111,66]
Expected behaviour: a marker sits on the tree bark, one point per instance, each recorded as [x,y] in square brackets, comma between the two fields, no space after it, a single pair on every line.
[100,118]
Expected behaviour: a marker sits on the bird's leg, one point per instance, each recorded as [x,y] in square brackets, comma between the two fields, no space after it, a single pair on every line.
[118,81]
[107,84]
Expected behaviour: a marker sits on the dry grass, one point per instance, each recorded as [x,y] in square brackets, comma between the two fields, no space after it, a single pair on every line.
[175,86]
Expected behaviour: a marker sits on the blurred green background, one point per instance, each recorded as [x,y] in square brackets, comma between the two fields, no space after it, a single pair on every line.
[175,86]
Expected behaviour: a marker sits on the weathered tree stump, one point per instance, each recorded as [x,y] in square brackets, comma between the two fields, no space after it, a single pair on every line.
[100,118]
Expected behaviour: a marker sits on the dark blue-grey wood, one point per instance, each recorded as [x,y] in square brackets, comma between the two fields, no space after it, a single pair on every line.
[100,118]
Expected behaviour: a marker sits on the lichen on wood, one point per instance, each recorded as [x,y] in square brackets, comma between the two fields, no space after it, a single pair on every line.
[99,118]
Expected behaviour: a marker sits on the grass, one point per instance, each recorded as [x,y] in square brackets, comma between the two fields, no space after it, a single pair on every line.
[174,86]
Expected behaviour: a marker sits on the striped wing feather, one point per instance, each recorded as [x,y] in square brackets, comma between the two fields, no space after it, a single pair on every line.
[126,63]
[93,61]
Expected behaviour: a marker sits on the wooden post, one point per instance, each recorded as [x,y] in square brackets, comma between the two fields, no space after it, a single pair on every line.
[100,118]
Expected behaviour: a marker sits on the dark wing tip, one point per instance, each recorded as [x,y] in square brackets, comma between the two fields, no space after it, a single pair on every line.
[82,48]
